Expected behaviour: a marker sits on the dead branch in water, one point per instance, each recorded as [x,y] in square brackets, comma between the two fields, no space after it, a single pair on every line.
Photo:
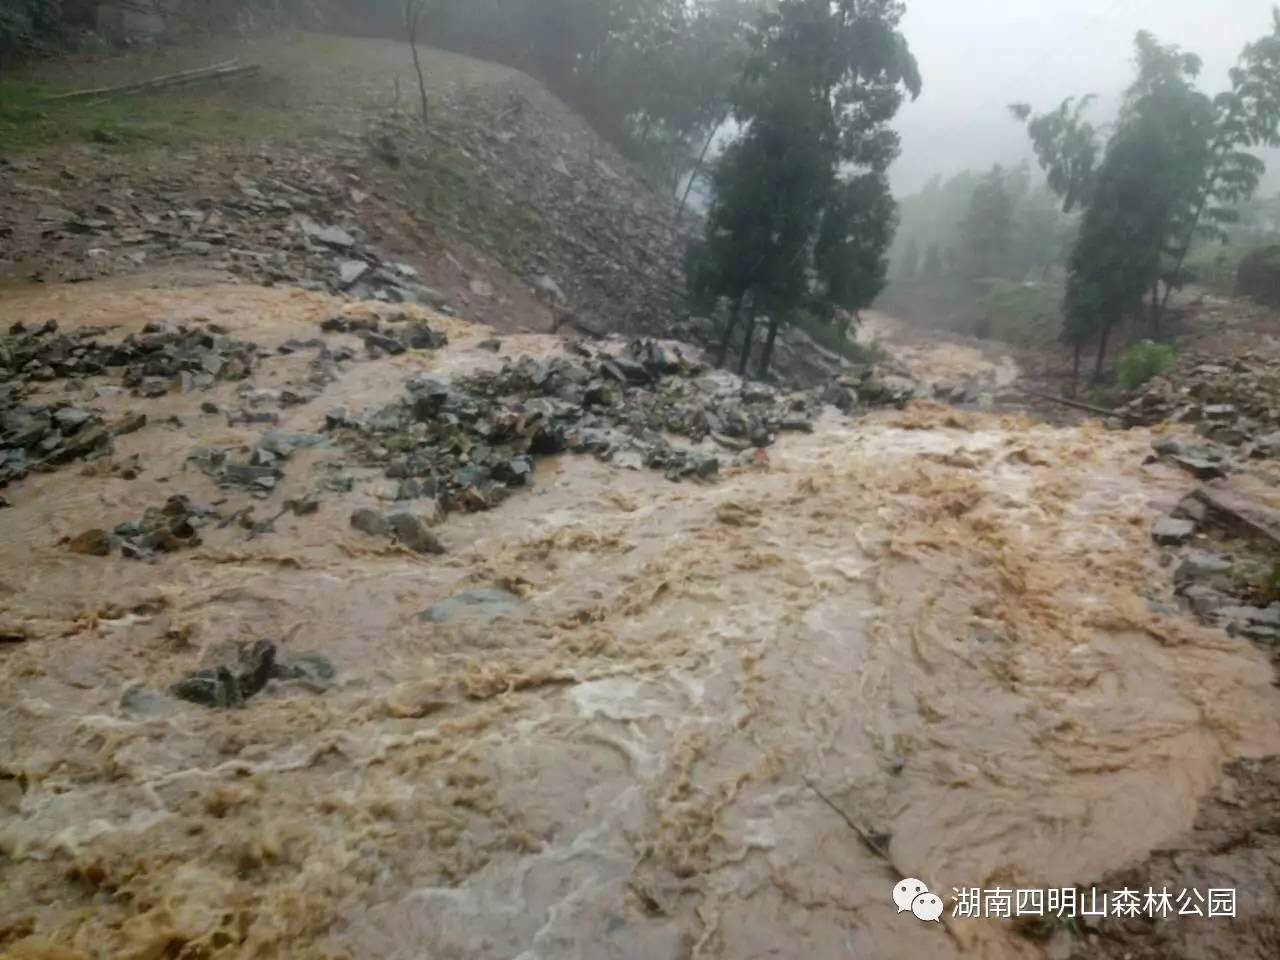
[868,840]
[218,71]
[1078,405]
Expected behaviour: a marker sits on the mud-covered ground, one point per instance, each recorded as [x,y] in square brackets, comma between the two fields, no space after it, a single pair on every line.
[945,622]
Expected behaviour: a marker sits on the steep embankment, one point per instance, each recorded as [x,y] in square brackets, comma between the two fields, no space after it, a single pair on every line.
[510,207]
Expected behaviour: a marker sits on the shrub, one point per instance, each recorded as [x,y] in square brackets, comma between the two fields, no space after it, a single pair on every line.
[1142,361]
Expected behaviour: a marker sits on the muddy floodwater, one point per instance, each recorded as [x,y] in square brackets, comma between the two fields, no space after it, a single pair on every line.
[945,622]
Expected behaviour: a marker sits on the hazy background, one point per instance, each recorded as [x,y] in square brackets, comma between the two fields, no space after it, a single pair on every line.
[977,56]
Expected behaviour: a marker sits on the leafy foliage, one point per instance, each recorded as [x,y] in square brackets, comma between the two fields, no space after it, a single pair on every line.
[26,25]
[801,216]
[655,76]
[1175,168]
[988,224]
[1143,361]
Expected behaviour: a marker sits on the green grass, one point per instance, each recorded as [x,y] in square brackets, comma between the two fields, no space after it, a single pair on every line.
[171,118]
[310,87]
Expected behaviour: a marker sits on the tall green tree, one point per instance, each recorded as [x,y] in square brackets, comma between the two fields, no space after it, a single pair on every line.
[1174,166]
[987,228]
[801,215]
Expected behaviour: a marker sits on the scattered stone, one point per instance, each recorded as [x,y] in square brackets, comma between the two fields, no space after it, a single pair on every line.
[258,478]
[1172,532]
[1203,567]
[414,533]
[349,271]
[332,236]
[371,522]
[1199,468]
[1205,600]
[91,543]
[244,675]
[1268,617]
[40,438]
[482,603]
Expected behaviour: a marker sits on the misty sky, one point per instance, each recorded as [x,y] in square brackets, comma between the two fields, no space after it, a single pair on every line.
[976,56]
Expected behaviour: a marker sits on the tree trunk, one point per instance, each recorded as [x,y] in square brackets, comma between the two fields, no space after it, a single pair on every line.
[766,359]
[412,17]
[1075,368]
[734,312]
[1103,337]
[745,357]
[702,157]
[1155,309]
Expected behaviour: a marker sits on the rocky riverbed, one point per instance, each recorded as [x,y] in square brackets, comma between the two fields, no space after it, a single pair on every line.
[454,642]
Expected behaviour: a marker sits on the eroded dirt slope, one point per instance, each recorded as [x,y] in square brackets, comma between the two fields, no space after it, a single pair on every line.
[604,739]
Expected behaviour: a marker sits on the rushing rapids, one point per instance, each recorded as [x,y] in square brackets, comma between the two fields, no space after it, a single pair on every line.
[622,716]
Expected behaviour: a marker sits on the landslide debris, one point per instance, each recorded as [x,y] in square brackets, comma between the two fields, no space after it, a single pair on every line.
[1234,401]
[467,443]
[158,361]
[291,221]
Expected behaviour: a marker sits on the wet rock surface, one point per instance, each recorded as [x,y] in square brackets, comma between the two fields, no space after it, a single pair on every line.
[481,603]
[38,437]
[467,443]
[1233,402]
[167,529]
[237,678]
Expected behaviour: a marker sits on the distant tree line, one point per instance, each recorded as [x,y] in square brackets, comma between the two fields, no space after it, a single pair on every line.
[993,225]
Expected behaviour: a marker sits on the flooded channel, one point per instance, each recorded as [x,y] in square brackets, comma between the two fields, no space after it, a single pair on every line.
[629,729]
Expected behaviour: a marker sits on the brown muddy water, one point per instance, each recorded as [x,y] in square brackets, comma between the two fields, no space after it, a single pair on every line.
[940,620]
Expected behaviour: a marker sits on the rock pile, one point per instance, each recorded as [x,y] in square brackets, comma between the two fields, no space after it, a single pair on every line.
[159,360]
[295,224]
[1228,576]
[261,469]
[466,444]
[1234,402]
[164,529]
[150,364]
[43,437]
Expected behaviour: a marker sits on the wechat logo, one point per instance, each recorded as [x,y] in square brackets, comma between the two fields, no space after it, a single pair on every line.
[913,895]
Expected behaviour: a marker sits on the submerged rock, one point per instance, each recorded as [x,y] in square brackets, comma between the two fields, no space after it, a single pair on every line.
[371,522]
[231,683]
[482,603]
[413,532]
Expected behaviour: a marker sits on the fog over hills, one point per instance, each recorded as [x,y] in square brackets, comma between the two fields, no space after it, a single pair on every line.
[978,56]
